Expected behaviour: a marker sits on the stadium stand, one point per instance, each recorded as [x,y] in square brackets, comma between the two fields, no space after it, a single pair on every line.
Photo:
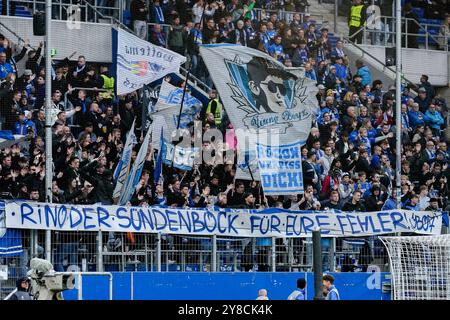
[351,146]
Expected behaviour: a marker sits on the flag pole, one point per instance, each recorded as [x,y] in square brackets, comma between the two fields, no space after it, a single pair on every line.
[48,123]
[186,85]
[398,100]
[189,70]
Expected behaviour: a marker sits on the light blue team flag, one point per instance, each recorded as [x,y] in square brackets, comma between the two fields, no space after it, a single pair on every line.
[123,167]
[136,170]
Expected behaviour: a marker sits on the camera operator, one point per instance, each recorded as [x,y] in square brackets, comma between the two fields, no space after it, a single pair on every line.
[23,285]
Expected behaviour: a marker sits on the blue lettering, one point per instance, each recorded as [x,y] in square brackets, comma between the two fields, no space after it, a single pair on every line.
[397,218]
[155,212]
[264,222]
[374,230]
[185,219]
[123,217]
[230,223]
[102,217]
[146,218]
[274,223]
[322,224]
[364,225]
[341,223]
[220,215]
[174,222]
[25,214]
[48,212]
[290,225]
[383,222]
[196,221]
[137,223]
[86,212]
[307,228]
[350,218]
[80,217]
[209,216]
[254,223]
[63,210]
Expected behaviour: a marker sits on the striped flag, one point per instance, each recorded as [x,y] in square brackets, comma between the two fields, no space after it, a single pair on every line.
[123,167]
[136,170]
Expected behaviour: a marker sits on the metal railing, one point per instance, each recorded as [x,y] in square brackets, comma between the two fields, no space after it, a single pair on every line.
[14,34]
[287,16]
[388,31]
[383,64]
[90,11]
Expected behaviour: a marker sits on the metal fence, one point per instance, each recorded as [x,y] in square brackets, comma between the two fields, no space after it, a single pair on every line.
[88,11]
[383,33]
[118,252]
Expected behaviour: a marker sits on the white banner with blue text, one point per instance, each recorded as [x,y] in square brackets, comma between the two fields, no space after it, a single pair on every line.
[280,168]
[140,62]
[216,221]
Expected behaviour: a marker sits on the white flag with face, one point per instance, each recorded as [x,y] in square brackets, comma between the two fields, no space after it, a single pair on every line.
[262,98]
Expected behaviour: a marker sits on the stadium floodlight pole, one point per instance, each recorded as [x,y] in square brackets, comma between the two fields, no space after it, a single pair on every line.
[398,99]
[48,123]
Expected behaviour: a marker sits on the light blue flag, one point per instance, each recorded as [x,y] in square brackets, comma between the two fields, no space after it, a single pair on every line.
[123,167]
[136,170]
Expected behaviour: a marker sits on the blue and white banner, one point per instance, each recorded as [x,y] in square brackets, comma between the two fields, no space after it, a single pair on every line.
[168,109]
[280,168]
[123,167]
[182,159]
[140,62]
[216,221]
[260,96]
[136,170]
[10,239]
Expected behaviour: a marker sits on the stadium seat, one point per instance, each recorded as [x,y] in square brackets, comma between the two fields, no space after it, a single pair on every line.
[419,11]
[127,17]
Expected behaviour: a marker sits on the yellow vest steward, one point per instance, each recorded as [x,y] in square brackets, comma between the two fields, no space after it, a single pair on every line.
[218,113]
[355,16]
[108,83]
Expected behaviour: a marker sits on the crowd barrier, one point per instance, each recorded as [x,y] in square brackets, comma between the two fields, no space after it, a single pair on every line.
[129,250]
[372,285]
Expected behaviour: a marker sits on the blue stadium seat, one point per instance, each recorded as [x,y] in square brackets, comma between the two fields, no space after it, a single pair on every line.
[127,17]
[419,11]
[111,267]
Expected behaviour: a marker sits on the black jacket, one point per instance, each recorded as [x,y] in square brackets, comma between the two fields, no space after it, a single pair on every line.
[103,185]
[349,206]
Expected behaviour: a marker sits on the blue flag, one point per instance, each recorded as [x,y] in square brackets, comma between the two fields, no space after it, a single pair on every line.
[135,173]
[123,167]
[158,165]
[6,134]
[10,239]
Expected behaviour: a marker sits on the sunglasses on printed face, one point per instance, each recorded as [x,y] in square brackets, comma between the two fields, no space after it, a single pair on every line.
[274,86]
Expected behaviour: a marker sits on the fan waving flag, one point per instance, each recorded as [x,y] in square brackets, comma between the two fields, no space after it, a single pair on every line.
[140,62]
